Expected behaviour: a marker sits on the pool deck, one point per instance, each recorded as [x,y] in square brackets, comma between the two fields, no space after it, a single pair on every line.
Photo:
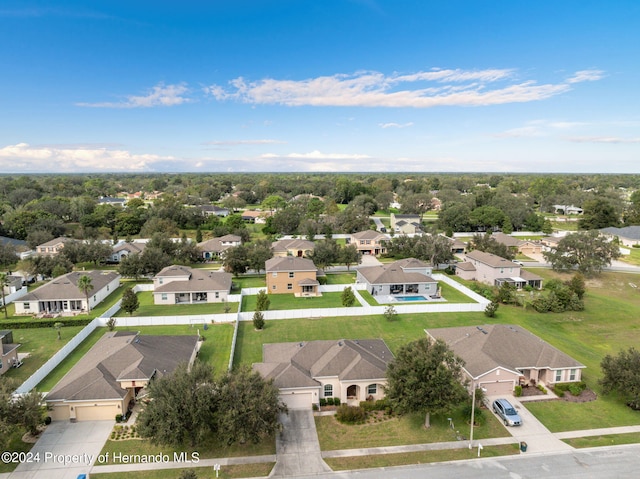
[389,298]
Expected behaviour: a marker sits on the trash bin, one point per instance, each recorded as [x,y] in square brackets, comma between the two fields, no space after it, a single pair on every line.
[523,446]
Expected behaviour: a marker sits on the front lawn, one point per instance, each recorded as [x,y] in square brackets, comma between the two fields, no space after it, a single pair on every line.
[607,440]
[225,472]
[401,430]
[289,301]
[147,308]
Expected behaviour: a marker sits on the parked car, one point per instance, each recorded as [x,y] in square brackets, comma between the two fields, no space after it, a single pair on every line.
[507,412]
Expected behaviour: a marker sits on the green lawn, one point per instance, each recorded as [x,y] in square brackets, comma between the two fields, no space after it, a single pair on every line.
[289,301]
[147,308]
[249,282]
[341,278]
[607,440]
[225,472]
[633,258]
[397,431]
[452,295]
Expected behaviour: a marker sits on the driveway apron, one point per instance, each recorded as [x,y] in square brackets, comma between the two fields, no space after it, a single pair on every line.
[297,446]
[65,450]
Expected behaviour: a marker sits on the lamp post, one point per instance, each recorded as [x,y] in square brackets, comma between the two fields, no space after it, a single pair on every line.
[473,412]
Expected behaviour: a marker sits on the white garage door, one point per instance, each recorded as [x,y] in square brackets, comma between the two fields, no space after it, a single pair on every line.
[96,413]
[498,388]
[297,400]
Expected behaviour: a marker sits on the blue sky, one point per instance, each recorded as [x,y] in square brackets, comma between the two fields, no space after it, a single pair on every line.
[320,85]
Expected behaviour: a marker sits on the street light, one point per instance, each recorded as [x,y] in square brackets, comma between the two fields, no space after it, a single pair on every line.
[473,412]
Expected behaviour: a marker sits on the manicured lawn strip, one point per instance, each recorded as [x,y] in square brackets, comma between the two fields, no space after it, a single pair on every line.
[424,457]
[208,448]
[401,430]
[63,368]
[249,282]
[366,295]
[606,440]
[215,349]
[289,301]
[225,472]
[147,308]
[341,278]
[41,344]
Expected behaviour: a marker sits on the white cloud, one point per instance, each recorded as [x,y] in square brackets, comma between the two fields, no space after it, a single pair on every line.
[245,142]
[395,125]
[317,155]
[537,128]
[525,131]
[159,95]
[23,157]
[417,90]
[586,75]
[603,139]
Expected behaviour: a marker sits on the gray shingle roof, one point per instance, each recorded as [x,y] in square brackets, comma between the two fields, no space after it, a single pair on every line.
[369,235]
[291,244]
[57,241]
[289,263]
[500,345]
[491,259]
[294,365]
[118,356]
[631,232]
[200,280]
[217,244]
[66,286]
[395,273]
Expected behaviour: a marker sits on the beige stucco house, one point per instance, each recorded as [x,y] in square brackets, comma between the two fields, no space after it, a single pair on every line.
[107,380]
[55,246]
[499,357]
[62,296]
[525,247]
[177,284]
[292,274]
[305,372]
[124,249]
[494,270]
[214,248]
[293,247]
[369,242]
[407,276]
[406,224]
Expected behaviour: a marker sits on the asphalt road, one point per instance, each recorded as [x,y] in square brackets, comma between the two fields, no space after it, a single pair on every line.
[618,462]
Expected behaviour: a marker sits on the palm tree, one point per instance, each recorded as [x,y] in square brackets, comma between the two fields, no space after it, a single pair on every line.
[86,286]
[4,281]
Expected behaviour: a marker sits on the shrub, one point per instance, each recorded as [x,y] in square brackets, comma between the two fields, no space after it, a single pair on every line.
[350,414]
[315,407]
[517,391]
[490,310]
[478,415]
[323,402]
[542,388]
[368,406]
[118,417]
[576,388]
[258,320]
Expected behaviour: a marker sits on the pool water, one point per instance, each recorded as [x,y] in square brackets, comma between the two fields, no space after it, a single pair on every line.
[410,298]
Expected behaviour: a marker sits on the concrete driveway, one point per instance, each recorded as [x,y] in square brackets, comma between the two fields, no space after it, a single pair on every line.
[297,446]
[532,431]
[65,450]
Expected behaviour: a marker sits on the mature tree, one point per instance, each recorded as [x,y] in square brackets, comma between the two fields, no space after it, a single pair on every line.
[488,244]
[8,254]
[416,203]
[258,320]
[352,219]
[131,266]
[247,407]
[434,249]
[348,297]
[325,253]
[85,284]
[425,377]
[26,411]
[262,301]
[587,251]
[273,202]
[349,255]
[165,226]
[29,411]
[236,260]
[182,407]
[577,285]
[487,217]
[366,203]
[621,373]
[455,216]
[598,213]
[258,253]
[130,302]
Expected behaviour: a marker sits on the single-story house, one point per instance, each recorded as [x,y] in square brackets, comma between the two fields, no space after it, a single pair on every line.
[292,274]
[629,235]
[494,270]
[293,247]
[14,283]
[305,372]
[369,242]
[252,216]
[9,356]
[457,246]
[125,248]
[407,276]
[524,247]
[498,357]
[215,247]
[55,246]
[62,296]
[112,374]
[213,210]
[406,224]
[567,210]
[177,284]
[110,200]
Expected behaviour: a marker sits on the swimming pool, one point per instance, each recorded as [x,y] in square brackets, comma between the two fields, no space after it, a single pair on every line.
[403,299]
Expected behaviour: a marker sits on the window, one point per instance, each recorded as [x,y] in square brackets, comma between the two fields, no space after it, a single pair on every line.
[94,297]
[217,294]
[372,389]
[160,280]
[289,285]
[501,270]
[107,287]
[572,375]
[26,305]
[164,296]
[291,274]
[274,274]
[328,390]
[273,287]
[558,376]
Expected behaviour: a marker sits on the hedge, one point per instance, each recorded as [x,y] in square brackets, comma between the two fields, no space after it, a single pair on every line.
[42,323]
